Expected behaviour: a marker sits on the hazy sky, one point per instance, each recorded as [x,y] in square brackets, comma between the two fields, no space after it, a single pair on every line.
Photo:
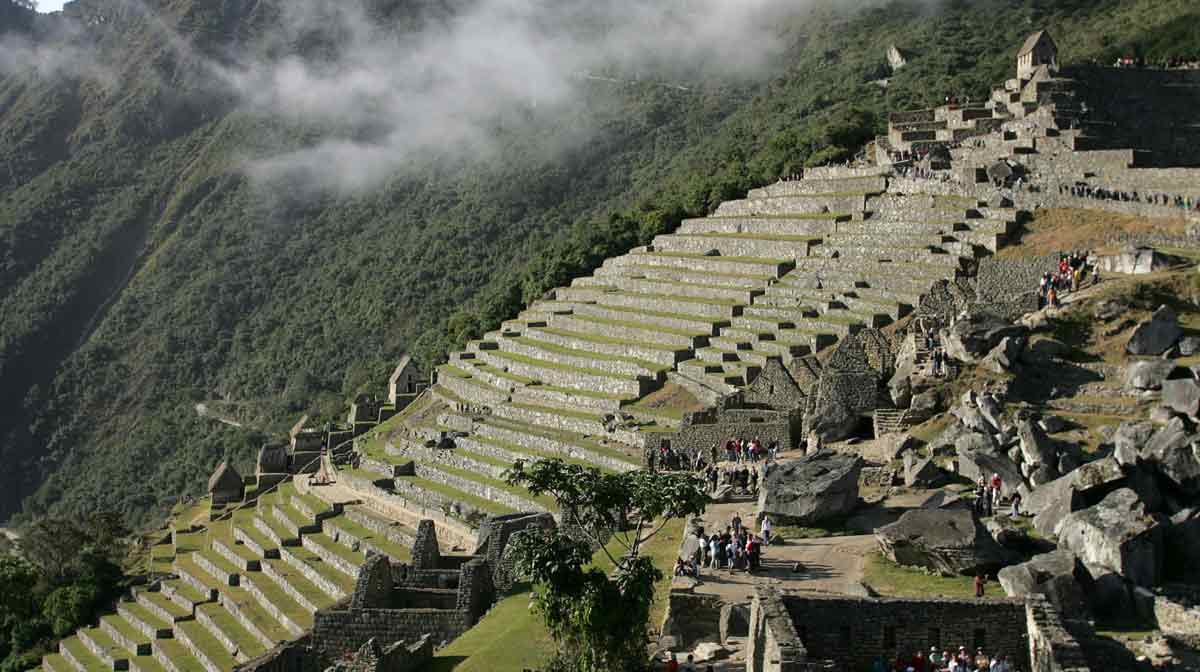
[50,5]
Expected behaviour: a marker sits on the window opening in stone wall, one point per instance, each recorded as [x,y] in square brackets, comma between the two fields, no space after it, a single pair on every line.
[864,428]
[980,638]
[889,637]
[935,637]
[844,636]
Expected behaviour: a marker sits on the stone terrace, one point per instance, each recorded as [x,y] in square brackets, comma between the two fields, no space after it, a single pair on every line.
[236,587]
[782,273]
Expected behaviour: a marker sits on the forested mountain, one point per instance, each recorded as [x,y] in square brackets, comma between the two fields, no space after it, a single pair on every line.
[258,207]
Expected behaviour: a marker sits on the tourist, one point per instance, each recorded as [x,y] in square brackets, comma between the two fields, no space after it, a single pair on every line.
[736,522]
[918,662]
[935,659]
[980,495]
[689,666]
[979,580]
[1052,297]
[982,662]
[772,452]
[672,664]
[996,483]
[714,543]
[1000,664]
[1016,505]
[766,530]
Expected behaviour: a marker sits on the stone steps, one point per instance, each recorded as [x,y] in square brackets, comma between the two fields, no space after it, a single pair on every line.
[783,341]
[711,288]
[680,274]
[658,354]
[659,303]
[771,268]
[550,370]
[735,244]
[686,324]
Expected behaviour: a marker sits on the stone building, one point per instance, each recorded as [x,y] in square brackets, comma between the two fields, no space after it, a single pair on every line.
[1039,49]
[404,384]
[226,485]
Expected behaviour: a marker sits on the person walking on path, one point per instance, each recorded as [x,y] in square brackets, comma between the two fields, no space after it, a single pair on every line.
[979,584]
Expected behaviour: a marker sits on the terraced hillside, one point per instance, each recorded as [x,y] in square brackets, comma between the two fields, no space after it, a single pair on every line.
[784,273]
[238,585]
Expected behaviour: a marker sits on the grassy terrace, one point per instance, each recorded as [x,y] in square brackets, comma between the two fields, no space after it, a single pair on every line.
[234,630]
[616,291]
[547,364]
[635,311]
[144,615]
[894,580]
[252,610]
[179,655]
[544,500]
[686,333]
[584,393]
[777,237]
[655,268]
[85,657]
[501,373]
[124,627]
[608,340]
[457,495]
[284,602]
[533,453]
[383,543]
[165,603]
[551,347]
[795,215]
[684,283]
[198,635]
[570,438]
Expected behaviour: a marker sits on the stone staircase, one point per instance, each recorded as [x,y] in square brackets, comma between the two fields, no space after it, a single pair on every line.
[235,587]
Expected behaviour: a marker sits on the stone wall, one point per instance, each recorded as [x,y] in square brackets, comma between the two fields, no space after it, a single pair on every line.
[700,431]
[691,618]
[773,644]
[336,632]
[774,388]
[1052,648]
[853,631]
[494,535]
[1008,287]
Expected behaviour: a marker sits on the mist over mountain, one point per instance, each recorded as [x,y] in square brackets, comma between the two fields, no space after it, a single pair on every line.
[259,205]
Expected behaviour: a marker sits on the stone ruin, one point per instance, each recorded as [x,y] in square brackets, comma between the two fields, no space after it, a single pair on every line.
[226,486]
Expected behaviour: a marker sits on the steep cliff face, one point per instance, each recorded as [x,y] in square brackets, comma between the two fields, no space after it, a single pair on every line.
[153,255]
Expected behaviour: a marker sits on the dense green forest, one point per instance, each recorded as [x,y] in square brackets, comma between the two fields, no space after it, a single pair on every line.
[143,272]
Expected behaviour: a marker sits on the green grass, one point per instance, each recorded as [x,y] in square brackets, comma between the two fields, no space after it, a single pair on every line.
[180,656]
[583,393]
[144,615]
[284,602]
[758,261]
[206,643]
[719,274]
[456,495]
[160,600]
[552,347]
[893,580]
[535,454]
[379,541]
[324,569]
[512,637]
[544,500]
[234,630]
[580,415]
[327,543]
[639,325]
[124,627]
[85,657]
[777,237]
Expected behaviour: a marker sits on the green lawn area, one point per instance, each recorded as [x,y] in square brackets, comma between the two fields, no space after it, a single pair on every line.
[893,580]
[511,636]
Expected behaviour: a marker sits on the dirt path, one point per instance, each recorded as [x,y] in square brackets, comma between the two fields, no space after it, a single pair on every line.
[829,565]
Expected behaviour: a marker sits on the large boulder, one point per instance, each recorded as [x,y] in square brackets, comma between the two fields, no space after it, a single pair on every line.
[972,337]
[1036,447]
[947,541]
[1137,261]
[833,421]
[1182,395]
[1181,545]
[991,409]
[1148,374]
[1089,484]
[1128,441]
[974,419]
[1156,335]
[1174,452]
[812,489]
[975,463]
[1055,574]
[1042,351]
[1003,357]
[1118,534]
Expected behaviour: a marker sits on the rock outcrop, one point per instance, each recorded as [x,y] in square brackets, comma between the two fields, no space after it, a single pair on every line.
[1055,575]
[812,489]
[948,541]
[971,338]
[1156,335]
[1118,534]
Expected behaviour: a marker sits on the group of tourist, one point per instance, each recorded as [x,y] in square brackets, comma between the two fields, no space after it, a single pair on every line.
[742,451]
[1081,190]
[744,479]
[670,459]
[944,661]
[987,494]
[1072,269]
[672,664]
[937,355]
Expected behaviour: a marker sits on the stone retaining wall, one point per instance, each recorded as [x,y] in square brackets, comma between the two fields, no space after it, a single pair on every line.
[118,636]
[615,367]
[163,614]
[656,355]
[701,433]
[545,444]
[481,490]
[773,644]
[714,288]
[853,631]
[1008,287]
[207,663]
[870,184]
[309,572]
[1051,646]
[342,630]
[330,557]
[215,630]
[791,205]
[250,585]
[393,533]
[447,526]
[204,563]
[448,457]
[231,605]
[733,246]
[225,550]
[147,629]
[272,572]
[569,378]
[797,226]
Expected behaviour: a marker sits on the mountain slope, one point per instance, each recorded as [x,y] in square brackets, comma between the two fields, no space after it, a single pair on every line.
[142,271]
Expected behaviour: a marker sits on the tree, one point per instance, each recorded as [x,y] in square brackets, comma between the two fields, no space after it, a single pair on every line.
[598,620]
[31,5]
